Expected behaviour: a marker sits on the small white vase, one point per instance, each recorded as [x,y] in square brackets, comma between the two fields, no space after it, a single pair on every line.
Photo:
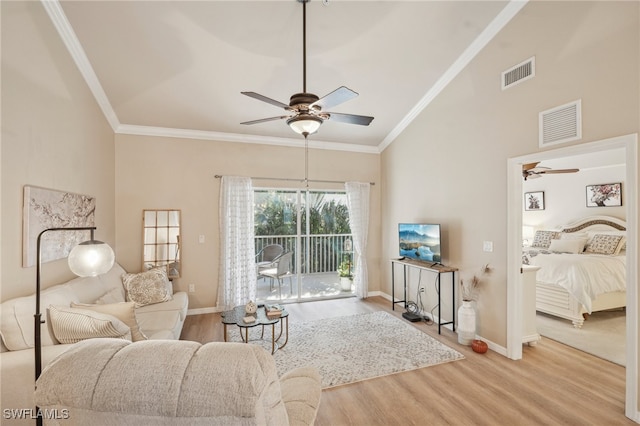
[466,323]
[345,282]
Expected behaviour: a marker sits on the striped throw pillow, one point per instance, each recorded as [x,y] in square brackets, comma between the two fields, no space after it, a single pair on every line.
[71,325]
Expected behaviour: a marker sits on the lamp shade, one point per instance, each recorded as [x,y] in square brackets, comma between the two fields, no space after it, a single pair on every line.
[305,123]
[91,258]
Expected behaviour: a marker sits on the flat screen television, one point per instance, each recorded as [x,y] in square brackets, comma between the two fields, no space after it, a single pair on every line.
[420,241]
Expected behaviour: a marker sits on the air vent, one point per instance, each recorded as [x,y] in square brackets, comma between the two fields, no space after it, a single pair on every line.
[560,124]
[519,73]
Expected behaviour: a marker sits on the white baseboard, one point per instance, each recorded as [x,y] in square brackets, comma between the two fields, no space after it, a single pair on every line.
[198,311]
[492,345]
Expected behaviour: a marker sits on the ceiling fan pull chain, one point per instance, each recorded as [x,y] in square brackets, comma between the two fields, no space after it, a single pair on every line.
[306,160]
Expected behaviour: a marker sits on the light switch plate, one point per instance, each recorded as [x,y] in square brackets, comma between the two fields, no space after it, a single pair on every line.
[487,246]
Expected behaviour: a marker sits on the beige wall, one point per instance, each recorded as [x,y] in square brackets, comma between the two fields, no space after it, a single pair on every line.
[53,136]
[457,148]
[160,173]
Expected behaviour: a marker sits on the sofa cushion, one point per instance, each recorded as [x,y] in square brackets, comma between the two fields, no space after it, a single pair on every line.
[17,322]
[88,289]
[71,325]
[124,311]
[149,287]
[180,381]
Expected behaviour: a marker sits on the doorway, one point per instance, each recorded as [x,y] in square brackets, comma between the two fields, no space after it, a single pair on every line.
[314,226]
[514,242]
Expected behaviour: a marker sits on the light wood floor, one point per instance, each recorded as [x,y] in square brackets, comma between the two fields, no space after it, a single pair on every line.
[552,385]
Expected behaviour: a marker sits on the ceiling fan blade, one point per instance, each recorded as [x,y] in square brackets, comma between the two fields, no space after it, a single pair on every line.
[362,120]
[263,98]
[338,96]
[264,120]
[529,166]
[559,171]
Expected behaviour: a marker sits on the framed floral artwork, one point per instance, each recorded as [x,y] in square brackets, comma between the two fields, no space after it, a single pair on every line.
[534,200]
[604,195]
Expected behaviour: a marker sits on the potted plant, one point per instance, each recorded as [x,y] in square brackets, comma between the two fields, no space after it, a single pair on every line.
[345,274]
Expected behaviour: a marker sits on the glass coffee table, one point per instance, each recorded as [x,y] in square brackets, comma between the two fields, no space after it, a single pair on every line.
[236,316]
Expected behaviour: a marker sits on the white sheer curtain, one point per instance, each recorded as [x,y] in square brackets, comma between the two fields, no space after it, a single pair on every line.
[358,205]
[237,277]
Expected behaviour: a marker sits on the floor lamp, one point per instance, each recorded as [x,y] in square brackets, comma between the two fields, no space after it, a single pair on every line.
[89,258]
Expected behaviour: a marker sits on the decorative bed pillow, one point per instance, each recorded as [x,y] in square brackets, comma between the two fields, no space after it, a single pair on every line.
[71,325]
[568,246]
[147,288]
[606,244]
[542,239]
[124,311]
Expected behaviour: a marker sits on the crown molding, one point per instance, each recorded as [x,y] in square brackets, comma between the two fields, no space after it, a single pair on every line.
[70,40]
[503,18]
[131,129]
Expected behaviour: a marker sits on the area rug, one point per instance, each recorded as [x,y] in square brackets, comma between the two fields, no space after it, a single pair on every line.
[354,348]
[602,335]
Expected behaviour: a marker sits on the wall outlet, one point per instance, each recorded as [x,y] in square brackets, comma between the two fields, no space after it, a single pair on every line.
[421,289]
[201,238]
[487,246]
[192,288]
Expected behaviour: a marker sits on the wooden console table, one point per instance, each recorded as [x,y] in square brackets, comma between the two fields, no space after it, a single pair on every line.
[434,268]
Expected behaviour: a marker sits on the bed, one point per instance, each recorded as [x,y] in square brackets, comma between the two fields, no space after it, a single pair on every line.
[582,268]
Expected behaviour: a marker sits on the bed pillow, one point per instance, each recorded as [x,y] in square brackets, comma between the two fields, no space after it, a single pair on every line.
[71,325]
[574,236]
[147,288]
[605,244]
[542,239]
[568,246]
[124,311]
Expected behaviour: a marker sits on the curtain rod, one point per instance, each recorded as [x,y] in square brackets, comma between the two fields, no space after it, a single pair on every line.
[297,180]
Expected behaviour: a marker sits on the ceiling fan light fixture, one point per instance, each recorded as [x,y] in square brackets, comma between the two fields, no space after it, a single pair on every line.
[305,124]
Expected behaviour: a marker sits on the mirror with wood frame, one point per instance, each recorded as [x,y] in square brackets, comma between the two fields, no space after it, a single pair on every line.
[161,241]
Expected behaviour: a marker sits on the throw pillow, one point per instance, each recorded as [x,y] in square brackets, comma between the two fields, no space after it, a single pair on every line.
[124,311]
[149,287]
[542,239]
[568,246]
[605,244]
[71,325]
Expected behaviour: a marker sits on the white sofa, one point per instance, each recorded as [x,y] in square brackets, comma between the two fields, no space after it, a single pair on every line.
[114,382]
[156,321]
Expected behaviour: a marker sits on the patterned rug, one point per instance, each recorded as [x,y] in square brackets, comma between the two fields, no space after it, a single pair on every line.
[353,348]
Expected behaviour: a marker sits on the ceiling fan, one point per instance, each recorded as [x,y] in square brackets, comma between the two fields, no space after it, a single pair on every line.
[306,111]
[533,171]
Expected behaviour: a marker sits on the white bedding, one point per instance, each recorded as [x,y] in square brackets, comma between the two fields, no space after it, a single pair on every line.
[585,276]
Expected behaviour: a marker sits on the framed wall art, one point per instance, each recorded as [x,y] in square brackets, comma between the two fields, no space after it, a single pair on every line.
[604,195]
[534,200]
[47,208]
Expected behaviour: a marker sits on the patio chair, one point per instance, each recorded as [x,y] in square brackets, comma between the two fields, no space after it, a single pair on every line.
[265,259]
[281,270]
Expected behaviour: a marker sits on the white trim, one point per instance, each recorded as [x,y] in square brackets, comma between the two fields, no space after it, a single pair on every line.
[69,38]
[198,311]
[514,235]
[131,129]
[499,22]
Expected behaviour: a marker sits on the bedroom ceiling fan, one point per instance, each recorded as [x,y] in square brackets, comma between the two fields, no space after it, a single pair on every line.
[306,111]
[533,171]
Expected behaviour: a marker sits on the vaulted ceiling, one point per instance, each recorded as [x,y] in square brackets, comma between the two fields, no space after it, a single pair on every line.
[178,67]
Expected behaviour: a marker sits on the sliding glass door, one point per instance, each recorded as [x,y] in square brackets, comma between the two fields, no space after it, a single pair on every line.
[315,226]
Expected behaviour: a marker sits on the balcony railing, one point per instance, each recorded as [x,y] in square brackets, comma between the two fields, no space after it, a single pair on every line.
[319,253]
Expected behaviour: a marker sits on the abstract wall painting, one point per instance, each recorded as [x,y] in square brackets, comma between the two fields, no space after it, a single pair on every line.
[47,208]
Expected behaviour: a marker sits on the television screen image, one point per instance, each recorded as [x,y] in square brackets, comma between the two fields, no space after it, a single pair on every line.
[420,241]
